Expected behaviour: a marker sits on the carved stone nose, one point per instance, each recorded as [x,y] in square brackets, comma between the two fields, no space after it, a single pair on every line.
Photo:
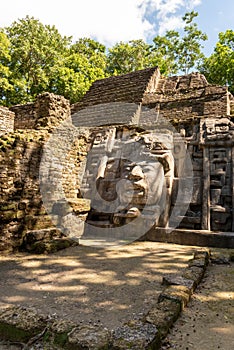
[136,173]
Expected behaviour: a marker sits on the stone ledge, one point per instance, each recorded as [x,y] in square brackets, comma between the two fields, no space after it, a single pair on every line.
[163,315]
[177,293]
[179,281]
[201,238]
[44,241]
[194,273]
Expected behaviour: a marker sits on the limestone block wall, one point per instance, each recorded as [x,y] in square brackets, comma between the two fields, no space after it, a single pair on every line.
[21,204]
[123,88]
[25,116]
[73,167]
[46,112]
[19,191]
[51,110]
[6,120]
[231,105]
[188,96]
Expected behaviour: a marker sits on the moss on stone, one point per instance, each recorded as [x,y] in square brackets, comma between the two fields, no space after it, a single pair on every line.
[20,324]
[11,333]
[8,215]
[51,246]
[163,315]
[194,273]
[8,206]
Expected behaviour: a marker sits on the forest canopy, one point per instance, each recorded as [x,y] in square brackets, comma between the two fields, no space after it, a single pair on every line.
[35,58]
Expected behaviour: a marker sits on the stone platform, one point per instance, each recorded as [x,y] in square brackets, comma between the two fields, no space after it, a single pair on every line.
[201,238]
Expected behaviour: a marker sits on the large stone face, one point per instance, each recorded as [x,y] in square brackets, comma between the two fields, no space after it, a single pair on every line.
[127,176]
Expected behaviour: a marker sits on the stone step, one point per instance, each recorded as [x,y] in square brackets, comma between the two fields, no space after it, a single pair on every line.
[190,219]
[45,241]
[100,223]
[220,209]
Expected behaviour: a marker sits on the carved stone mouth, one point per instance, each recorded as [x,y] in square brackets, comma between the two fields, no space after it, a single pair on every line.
[136,186]
[135,192]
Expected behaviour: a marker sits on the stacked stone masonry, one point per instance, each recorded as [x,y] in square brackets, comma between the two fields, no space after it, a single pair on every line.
[21,205]
[6,120]
[25,116]
[116,112]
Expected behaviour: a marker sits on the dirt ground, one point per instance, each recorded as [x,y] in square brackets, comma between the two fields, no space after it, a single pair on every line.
[208,321]
[110,286]
[91,285]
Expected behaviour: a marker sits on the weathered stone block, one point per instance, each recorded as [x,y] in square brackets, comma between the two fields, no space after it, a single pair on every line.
[89,338]
[215,195]
[20,214]
[50,246]
[178,281]
[220,259]
[179,294]
[163,315]
[136,335]
[22,205]
[61,208]
[194,273]
[7,215]
[8,206]
[15,227]
[60,330]
[202,254]
[6,120]
[20,324]
[25,116]
[80,205]
[197,263]
[41,235]
[34,222]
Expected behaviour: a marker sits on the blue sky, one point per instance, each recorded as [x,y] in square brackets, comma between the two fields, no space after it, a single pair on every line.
[111,21]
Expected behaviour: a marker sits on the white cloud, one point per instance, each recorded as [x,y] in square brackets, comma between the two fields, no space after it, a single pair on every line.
[169,6]
[109,21]
[170,23]
[194,3]
[168,12]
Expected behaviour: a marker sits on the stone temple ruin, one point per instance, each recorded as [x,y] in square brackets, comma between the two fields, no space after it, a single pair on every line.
[141,156]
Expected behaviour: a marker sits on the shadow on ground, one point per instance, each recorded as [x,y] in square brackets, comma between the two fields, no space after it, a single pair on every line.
[89,284]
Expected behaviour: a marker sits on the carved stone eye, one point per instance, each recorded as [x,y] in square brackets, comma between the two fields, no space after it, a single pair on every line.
[223,128]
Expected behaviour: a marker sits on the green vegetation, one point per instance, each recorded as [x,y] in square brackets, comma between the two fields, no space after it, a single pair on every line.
[35,58]
[219,67]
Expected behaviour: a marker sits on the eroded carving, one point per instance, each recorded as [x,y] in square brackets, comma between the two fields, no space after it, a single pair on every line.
[134,177]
